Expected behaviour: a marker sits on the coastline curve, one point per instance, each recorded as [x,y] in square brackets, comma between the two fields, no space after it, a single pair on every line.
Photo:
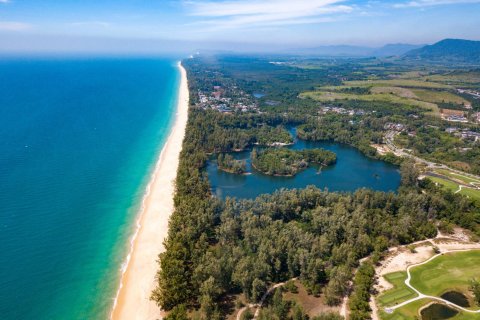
[137,281]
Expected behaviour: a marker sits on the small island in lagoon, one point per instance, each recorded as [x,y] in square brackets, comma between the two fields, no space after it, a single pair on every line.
[228,163]
[287,162]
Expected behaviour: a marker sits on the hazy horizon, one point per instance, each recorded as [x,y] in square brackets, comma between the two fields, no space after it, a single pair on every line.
[142,26]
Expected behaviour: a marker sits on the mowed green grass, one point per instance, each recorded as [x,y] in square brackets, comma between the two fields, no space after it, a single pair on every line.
[411,311]
[461,177]
[453,187]
[407,312]
[450,271]
[399,293]
[472,194]
[447,184]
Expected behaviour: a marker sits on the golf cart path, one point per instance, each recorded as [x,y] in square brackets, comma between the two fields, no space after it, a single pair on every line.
[423,296]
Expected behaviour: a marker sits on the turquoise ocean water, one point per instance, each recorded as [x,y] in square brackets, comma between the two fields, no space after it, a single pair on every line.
[79,138]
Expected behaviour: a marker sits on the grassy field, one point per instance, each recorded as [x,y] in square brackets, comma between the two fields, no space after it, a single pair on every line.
[410,311]
[451,271]
[325,96]
[424,95]
[415,74]
[398,91]
[447,184]
[398,83]
[439,96]
[452,186]
[457,176]
[399,293]
[413,92]
[472,77]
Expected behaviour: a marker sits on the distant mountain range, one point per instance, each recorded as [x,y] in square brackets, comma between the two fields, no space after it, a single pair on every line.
[398,49]
[454,50]
[359,51]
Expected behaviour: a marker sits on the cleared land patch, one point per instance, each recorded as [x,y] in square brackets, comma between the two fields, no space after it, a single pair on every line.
[329,96]
[434,96]
[461,78]
[411,92]
[398,91]
[399,83]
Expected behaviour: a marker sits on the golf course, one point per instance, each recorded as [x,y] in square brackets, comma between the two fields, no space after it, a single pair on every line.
[442,280]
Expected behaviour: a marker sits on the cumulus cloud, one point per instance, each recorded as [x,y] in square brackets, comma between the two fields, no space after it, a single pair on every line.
[247,13]
[431,3]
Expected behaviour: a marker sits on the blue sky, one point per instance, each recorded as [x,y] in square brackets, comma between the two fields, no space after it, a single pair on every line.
[136,24]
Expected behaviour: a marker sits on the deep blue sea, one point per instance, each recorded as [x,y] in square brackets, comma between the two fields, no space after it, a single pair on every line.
[79,138]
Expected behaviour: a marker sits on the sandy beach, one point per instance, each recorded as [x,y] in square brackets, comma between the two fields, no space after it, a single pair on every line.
[138,279]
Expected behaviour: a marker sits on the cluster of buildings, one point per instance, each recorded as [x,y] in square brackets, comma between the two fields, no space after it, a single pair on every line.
[339,110]
[218,100]
[476,117]
[473,93]
[454,115]
[464,133]
[398,127]
[460,116]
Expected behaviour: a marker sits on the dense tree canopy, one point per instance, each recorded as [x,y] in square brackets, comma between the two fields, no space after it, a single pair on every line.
[217,248]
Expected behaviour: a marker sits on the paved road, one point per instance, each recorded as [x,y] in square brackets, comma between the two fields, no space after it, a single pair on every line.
[389,141]
[421,295]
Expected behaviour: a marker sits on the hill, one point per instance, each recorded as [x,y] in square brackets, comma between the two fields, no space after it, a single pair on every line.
[336,51]
[396,49]
[448,50]
[387,50]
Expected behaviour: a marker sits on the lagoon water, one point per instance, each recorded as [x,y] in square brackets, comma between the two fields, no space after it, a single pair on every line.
[352,171]
[78,141]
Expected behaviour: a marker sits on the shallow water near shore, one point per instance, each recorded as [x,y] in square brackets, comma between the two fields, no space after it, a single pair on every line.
[352,171]
[80,138]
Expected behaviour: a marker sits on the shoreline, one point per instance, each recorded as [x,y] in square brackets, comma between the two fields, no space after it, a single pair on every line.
[132,300]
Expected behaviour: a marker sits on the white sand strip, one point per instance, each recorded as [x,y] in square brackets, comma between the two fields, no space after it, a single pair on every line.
[138,280]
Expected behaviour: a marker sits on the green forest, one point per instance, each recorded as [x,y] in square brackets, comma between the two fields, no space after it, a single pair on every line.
[286,162]
[217,250]
[228,163]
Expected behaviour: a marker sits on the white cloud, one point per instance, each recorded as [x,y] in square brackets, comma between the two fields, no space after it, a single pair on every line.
[4,1]
[14,26]
[431,3]
[258,13]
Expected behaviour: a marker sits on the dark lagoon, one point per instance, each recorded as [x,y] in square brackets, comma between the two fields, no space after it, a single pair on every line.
[352,171]
[456,297]
[437,311]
